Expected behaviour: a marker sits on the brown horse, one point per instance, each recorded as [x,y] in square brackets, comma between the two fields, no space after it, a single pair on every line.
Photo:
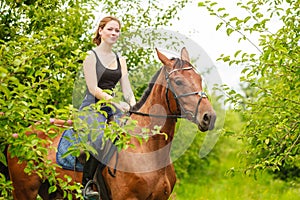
[146,171]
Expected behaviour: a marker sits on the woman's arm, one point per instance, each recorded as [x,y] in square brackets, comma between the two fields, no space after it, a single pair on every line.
[90,75]
[125,84]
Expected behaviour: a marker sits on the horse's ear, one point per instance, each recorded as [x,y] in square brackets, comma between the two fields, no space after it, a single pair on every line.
[163,58]
[185,55]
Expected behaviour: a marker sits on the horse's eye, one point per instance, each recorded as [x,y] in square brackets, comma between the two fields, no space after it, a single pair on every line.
[178,82]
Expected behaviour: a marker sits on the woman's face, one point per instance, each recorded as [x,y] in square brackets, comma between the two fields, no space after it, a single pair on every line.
[110,32]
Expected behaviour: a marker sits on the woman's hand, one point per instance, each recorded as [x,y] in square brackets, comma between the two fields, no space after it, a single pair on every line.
[123,106]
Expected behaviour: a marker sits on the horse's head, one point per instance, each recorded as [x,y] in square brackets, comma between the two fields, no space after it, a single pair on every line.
[184,91]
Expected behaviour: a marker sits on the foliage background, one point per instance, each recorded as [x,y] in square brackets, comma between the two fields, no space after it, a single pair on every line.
[270,103]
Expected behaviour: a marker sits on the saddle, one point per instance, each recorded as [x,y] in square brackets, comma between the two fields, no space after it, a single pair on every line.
[70,162]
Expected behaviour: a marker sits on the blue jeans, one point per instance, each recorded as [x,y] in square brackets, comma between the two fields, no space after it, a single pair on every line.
[95,122]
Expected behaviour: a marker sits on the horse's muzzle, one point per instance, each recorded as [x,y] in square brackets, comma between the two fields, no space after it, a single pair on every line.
[207,121]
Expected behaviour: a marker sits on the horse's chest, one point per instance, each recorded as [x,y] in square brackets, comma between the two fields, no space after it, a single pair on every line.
[163,189]
[161,184]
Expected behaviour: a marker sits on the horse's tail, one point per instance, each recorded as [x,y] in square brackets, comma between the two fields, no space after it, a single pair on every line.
[3,167]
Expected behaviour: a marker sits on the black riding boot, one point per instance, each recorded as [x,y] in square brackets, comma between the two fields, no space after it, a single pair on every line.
[89,170]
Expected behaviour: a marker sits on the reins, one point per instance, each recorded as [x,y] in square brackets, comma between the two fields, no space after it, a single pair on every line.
[157,116]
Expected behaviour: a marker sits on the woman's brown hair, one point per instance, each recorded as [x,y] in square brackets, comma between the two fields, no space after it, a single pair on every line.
[103,22]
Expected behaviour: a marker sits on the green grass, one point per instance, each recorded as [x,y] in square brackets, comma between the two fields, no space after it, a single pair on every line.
[214,184]
[234,188]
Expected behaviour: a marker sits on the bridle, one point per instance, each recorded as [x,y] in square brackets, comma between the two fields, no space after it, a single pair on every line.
[169,87]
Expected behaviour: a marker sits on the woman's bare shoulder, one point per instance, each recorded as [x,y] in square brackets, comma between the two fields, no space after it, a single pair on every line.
[90,57]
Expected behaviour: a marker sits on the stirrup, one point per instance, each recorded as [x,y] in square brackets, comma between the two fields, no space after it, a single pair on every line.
[95,195]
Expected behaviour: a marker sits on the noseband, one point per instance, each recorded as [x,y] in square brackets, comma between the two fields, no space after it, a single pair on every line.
[170,88]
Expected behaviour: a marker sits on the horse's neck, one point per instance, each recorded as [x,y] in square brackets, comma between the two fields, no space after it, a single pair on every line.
[156,106]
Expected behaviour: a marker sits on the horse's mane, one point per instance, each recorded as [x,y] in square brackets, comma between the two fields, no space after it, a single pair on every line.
[178,63]
[147,91]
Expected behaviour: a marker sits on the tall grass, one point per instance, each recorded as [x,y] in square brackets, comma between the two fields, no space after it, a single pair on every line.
[216,183]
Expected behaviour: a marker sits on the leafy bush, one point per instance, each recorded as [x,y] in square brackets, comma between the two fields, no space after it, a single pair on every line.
[271,111]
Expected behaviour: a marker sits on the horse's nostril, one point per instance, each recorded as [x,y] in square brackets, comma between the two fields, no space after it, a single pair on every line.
[206,117]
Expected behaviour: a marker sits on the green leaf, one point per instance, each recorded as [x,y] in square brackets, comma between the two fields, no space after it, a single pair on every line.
[267,141]
[3,158]
[52,189]
[5,90]
[3,72]
[229,31]
[17,62]
[237,53]
[247,19]
[201,4]
[219,26]
[213,4]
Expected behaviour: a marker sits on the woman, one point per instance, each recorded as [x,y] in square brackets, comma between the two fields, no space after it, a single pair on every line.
[103,69]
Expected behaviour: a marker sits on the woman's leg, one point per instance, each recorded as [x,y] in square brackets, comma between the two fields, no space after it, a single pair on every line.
[89,170]
[94,121]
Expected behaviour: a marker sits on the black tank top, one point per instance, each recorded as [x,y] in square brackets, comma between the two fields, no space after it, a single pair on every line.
[106,78]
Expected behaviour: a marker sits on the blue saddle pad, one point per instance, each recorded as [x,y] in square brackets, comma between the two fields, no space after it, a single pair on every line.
[70,163]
